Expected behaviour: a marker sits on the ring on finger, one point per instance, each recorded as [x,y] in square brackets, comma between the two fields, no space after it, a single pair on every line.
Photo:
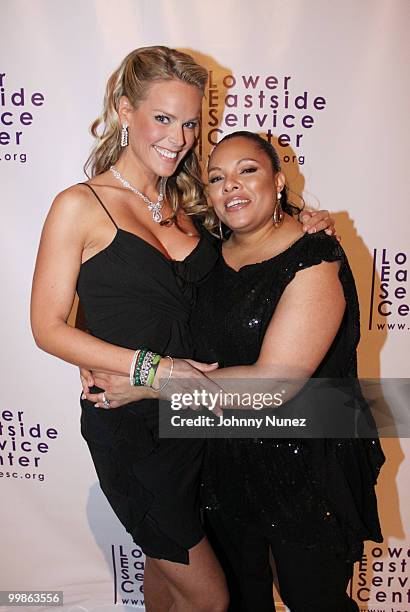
[105,402]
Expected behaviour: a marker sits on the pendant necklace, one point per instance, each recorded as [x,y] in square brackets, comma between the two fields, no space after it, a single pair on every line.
[154,207]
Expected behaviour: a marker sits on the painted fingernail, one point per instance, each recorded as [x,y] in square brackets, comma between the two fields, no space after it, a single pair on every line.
[83,396]
[312,231]
[97,405]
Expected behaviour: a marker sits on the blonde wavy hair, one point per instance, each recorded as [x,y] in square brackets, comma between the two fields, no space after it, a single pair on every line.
[138,70]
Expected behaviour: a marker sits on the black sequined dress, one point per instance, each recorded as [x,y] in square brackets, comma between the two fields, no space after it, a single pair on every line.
[315,492]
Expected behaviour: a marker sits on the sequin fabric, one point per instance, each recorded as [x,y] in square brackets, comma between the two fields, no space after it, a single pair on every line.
[316,492]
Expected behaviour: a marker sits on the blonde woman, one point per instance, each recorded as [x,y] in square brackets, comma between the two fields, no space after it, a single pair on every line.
[130,242]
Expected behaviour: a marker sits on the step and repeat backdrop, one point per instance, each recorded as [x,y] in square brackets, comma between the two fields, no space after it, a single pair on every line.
[327,83]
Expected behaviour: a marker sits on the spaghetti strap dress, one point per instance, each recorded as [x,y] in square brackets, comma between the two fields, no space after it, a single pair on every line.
[133,296]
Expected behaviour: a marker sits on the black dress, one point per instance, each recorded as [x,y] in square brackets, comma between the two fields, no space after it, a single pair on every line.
[134,297]
[313,492]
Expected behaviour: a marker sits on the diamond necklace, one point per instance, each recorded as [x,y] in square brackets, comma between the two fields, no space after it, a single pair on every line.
[154,207]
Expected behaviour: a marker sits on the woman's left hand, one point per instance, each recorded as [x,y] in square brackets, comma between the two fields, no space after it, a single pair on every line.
[117,391]
[316,221]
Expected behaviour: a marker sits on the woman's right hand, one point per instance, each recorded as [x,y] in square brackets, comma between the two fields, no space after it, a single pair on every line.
[117,389]
[87,379]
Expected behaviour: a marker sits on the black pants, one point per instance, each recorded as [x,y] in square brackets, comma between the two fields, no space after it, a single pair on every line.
[309,580]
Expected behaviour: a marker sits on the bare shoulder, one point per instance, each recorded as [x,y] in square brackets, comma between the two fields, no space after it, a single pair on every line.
[76,204]
[73,197]
[293,226]
[291,230]
[286,236]
[71,217]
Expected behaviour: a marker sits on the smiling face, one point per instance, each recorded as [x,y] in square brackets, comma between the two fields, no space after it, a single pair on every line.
[163,127]
[242,184]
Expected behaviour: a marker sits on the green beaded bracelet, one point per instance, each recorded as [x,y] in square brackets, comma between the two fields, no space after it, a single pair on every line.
[137,372]
[153,370]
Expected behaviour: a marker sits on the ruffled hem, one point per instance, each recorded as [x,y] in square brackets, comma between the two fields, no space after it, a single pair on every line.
[159,510]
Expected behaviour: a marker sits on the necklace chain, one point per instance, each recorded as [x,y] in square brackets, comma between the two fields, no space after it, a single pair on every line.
[154,207]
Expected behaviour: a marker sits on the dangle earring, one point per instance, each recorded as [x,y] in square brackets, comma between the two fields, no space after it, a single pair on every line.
[124,135]
[278,212]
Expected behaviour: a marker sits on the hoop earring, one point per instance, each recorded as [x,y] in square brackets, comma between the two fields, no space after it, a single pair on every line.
[124,135]
[277,212]
[221,235]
